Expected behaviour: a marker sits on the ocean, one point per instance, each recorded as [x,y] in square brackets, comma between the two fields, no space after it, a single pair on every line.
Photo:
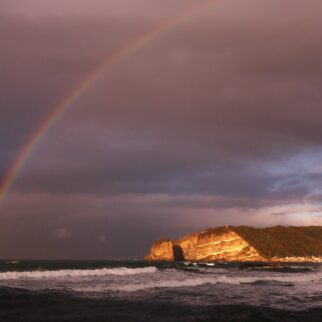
[142,291]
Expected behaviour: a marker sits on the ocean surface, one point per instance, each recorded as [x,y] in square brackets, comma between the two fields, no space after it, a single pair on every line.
[139,291]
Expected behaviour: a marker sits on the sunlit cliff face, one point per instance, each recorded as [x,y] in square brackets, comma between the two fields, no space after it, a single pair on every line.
[277,244]
[218,121]
[207,246]
[229,246]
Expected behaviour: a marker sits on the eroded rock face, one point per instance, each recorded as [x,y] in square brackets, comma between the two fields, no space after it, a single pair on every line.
[279,243]
[211,245]
[161,250]
[227,246]
[188,245]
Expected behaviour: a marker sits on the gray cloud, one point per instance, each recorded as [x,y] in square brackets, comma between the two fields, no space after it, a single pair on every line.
[189,129]
[63,233]
[102,237]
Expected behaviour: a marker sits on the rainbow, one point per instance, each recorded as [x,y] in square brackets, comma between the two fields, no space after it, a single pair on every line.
[70,99]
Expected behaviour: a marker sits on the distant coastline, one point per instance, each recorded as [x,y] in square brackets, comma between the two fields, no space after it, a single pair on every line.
[243,243]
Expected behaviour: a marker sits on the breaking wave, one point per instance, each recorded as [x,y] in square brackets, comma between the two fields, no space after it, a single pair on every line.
[121,271]
[295,287]
[223,279]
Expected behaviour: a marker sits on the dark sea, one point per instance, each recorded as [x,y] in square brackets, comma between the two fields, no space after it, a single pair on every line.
[143,291]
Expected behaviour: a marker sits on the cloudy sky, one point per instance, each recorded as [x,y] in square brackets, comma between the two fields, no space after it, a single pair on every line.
[217,121]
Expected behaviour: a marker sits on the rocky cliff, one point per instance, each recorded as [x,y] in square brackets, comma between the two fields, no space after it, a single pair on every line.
[243,244]
[162,250]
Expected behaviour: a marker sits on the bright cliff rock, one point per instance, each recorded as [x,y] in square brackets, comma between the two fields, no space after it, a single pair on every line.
[162,250]
[294,244]
[227,246]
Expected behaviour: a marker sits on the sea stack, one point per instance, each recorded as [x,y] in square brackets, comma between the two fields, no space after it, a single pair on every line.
[243,243]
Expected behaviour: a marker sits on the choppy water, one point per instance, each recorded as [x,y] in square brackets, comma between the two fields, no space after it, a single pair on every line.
[290,287]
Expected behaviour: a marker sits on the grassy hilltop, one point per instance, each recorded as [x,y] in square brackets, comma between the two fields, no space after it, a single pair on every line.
[281,241]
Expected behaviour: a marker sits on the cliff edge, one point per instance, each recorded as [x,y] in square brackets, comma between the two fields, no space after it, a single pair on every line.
[243,243]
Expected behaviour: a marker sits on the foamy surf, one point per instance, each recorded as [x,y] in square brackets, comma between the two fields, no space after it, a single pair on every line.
[222,279]
[291,287]
[120,271]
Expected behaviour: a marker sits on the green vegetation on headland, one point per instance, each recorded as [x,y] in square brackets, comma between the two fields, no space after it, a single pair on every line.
[282,241]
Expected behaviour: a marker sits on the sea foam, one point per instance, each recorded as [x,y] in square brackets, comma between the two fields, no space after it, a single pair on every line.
[221,279]
[121,271]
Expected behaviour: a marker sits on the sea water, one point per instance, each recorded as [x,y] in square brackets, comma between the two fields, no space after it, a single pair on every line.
[287,286]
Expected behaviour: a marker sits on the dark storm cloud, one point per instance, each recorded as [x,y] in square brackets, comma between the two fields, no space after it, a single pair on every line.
[198,128]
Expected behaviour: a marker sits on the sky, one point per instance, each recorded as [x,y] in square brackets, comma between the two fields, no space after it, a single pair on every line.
[216,121]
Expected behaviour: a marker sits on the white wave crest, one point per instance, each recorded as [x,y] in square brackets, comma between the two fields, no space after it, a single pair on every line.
[223,279]
[121,271]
